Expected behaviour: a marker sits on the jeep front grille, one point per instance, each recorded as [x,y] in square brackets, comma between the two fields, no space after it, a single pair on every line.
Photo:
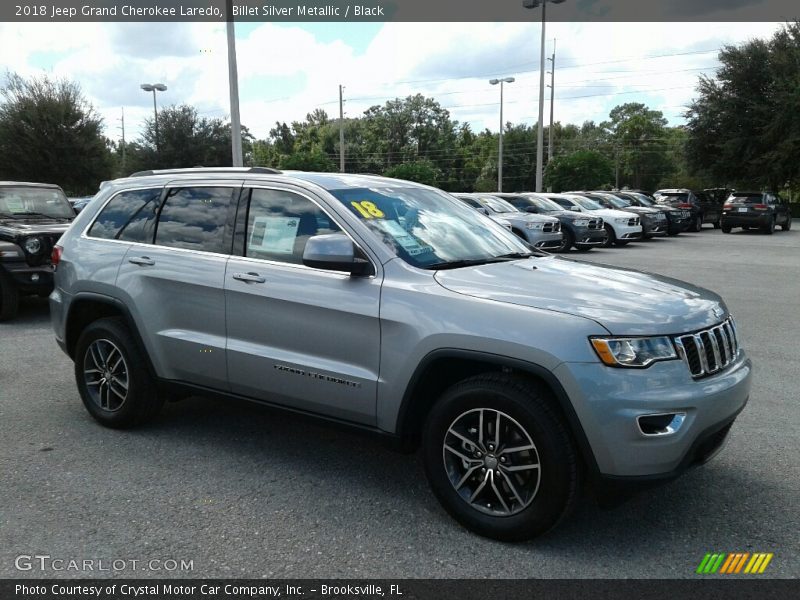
[711,350]
[596,224]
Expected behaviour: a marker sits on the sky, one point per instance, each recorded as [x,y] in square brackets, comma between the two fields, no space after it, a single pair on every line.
[288,70]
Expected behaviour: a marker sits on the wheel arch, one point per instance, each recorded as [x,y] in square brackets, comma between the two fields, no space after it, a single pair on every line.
[440,369]
[86,308]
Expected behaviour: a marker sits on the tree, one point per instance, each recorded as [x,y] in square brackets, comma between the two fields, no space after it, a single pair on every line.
[421,171]
[186,140]
[50,133]
[579,170]
[744,126]
[638,136]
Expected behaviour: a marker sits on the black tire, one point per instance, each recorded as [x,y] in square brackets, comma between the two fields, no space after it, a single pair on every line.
[567,241]
[727,228]
[611,237]
[9,298]
[583,247]
[769,228]
[142,401]
[788,225]
[528,407]
[697,225]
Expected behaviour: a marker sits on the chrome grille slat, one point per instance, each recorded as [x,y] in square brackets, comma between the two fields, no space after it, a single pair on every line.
[711,350]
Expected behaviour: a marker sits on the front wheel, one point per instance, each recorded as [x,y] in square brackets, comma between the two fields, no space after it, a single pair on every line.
[611,236]
[112,376]
[499,458]
[567,240]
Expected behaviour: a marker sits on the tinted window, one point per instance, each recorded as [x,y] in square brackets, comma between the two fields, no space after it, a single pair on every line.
[747,198]
[470,202]
[562,202]
[279,224]
[127,216]
[194,218]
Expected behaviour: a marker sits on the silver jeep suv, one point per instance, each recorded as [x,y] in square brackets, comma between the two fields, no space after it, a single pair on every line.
[393,307]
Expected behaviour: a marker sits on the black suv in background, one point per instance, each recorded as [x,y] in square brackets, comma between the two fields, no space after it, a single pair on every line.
[678,219]
[580,230]
[751,210]
[32,218]
[703,207]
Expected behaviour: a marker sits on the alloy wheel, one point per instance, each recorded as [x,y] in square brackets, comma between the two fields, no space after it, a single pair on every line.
[105,374]
[491,462]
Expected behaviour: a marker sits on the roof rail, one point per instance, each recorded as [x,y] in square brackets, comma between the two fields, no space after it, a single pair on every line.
[253,170]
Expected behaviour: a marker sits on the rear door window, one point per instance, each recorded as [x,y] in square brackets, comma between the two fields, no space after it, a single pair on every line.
[195,218]
[128,216]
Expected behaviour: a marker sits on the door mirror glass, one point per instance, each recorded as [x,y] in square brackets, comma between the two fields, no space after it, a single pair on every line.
[334,252]
[575,208]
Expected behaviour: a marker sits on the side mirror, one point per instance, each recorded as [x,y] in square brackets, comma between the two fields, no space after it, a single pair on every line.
[484,211]
[334,252]
[575,208]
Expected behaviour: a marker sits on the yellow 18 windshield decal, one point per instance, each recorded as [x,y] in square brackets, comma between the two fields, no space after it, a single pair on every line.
[368,210]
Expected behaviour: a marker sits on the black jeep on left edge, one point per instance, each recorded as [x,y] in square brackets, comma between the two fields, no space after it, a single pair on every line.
[32,218]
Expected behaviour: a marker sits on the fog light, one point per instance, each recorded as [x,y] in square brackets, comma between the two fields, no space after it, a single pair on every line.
[35,277]
[662,424]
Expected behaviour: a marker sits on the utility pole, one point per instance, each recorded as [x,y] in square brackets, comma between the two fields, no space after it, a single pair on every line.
[233,82]
[123,140]
[552,98]
[552,101]
[341,128]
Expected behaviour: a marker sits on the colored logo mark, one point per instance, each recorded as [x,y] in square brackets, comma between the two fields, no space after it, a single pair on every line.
[734,563]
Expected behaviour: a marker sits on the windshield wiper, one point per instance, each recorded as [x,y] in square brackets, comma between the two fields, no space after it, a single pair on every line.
[29,213]
[473,262]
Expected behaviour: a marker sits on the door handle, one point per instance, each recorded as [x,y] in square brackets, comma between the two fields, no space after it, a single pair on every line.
[144,261]
[249,277]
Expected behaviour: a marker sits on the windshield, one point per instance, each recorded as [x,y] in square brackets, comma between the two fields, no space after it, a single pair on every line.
[586,203]
[497,205]
[616,201]
[544,204]
[644,200]
[33,201]
[426,228]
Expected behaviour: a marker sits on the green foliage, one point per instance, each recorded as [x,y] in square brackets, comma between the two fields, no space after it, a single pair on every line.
[421,171]
[50,133]
[184,139]
[580,170]
[744,126]
[307,160]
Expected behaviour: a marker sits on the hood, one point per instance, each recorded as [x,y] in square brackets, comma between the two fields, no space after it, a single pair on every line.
[624,301]
[26,227]
[642,210]
[609,213]
[528,217]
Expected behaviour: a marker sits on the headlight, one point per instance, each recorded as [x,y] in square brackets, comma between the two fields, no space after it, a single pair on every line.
[33,245]
[633,352]
[621,220]
[581,223]
[533,225]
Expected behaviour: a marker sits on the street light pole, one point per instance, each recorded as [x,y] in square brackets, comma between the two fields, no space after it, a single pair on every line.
[500,147]
[154,87]
[540,131]
[233,82]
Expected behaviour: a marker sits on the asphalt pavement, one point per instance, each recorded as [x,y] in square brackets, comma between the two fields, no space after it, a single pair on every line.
[242,491]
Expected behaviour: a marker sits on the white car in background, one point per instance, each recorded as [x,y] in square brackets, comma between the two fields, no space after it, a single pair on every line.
[622,227]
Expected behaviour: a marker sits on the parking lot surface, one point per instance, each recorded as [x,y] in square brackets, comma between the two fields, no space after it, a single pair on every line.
[246,492]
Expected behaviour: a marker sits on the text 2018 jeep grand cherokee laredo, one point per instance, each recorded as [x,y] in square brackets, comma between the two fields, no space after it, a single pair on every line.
[392,306]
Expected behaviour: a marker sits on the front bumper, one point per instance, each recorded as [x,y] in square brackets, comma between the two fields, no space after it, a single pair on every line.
[626,232]
[539,239]
[588,237]
[30,280]
[655,228]
[608,401]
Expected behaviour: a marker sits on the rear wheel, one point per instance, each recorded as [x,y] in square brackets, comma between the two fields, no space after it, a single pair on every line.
[112,376]
[727,228]
[9,298]
[499,458]
[697,225]
[769,228]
